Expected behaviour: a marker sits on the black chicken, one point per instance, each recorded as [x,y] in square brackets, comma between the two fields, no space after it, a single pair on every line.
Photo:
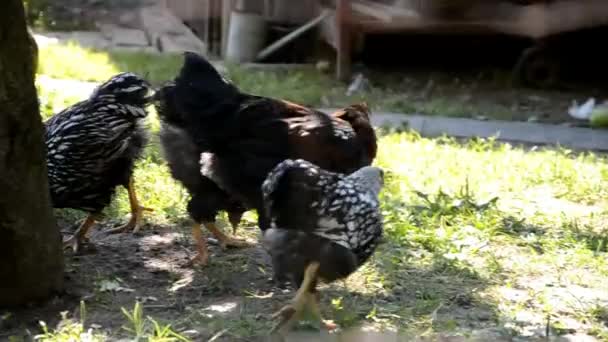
[323,226]
[207,199]
[92,147]
[242,137]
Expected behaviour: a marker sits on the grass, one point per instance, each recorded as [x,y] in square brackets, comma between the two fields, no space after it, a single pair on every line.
[478,234]
[485,95]
[58,61]
[516,219]
[139,327]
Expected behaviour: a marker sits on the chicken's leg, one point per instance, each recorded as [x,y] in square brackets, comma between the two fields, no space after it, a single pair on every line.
[313,305]
[80,234]
[225,241]
[137,212]
[289,313]
[235,219]
[202,255]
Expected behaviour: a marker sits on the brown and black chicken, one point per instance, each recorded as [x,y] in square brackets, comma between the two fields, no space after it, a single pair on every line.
[242,137]
[323,226]
[92,147]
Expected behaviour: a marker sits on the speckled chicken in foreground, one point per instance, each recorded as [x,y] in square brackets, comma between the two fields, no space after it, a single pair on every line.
[92,147]
[323,225]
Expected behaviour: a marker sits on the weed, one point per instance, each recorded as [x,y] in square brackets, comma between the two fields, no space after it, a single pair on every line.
[69,330]
[148,328]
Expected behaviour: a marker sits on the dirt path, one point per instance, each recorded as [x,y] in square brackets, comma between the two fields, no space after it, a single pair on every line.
[233,296]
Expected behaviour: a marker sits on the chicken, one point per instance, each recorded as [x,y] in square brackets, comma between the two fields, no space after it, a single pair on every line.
[323,226]
[242,137]
[207,198]
[92,147]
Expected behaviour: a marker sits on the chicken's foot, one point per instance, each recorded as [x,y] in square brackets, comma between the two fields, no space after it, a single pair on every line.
[137,212]
[80,234]
[313,305]
[202,254]
[224,240]
[291,312]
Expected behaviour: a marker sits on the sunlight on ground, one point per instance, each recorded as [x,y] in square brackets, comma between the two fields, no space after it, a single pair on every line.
[542,237]
[478,234]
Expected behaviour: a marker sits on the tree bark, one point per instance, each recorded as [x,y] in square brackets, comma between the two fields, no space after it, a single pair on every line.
[31,257]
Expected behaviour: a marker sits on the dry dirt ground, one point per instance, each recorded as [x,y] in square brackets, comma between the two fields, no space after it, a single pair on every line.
[231,299]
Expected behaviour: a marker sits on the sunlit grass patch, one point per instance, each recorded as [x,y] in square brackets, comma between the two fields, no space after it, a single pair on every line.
[72,61]
[477,233]
[545,231]
[137,326]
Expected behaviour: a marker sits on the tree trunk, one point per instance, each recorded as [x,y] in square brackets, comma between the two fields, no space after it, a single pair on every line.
[31,257]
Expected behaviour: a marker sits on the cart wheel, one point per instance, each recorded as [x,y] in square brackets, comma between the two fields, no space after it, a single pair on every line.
[537,68]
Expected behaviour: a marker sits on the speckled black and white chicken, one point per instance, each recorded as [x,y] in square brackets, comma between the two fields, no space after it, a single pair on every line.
[323,226]
[92,147]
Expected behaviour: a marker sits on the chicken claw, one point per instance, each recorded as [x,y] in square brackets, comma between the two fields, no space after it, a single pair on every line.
[80,235]
[202,256]
[313,304]
[199,260]
[289,313]
[234,242]
[224,240]
[137,212]
[134,223]
[73,242]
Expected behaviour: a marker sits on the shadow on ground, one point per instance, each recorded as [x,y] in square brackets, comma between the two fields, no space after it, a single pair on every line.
[233,298]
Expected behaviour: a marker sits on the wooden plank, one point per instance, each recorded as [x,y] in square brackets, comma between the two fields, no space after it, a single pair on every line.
[383,12]
[372,11]
[159,22]
[394,11]
[186,9]
[292,35]
[227,6]
[207,14]
[291,12]
[216,27]
[343,25]
[532,21]
[328,28]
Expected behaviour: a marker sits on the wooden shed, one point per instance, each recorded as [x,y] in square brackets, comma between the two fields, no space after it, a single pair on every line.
[535,19]
[210,19]
[348,20]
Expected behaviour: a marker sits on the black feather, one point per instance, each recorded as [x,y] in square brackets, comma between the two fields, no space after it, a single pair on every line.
[182,156]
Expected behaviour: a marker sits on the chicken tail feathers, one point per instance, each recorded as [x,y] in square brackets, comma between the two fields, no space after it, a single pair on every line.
[198,93]
[200,86]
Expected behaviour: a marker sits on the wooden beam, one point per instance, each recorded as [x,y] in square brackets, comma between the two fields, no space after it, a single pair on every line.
[343,25]
[382,12]
[226,10]
[372,11]
[291,36]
